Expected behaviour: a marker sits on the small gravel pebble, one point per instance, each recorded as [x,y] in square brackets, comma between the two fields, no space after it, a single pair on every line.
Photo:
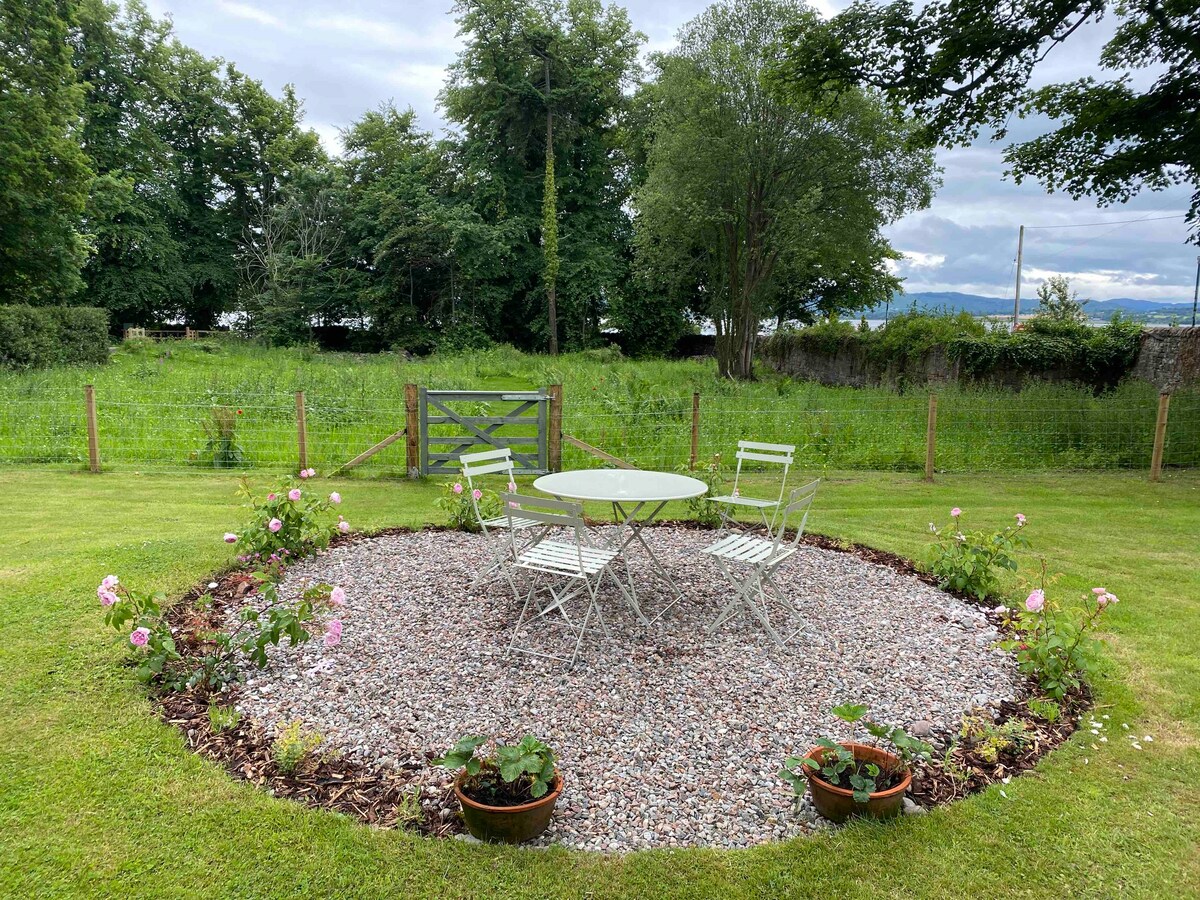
[667,737]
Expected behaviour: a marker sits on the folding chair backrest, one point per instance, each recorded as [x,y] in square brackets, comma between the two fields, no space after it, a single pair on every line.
[486,462]
[551,513]
[779,454]
[799,503]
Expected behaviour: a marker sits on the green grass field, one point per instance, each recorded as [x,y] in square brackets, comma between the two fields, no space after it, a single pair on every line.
[154,400]
[99,799]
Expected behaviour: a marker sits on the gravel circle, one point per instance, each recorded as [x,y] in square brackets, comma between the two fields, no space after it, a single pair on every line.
[667,737]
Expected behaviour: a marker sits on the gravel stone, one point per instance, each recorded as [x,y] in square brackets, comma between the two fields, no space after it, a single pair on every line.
[666,736]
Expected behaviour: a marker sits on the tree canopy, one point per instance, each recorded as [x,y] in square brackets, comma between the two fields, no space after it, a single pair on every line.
[757,206]
[961,65]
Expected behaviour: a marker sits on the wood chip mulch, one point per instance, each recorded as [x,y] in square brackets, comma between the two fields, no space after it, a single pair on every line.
[400,798]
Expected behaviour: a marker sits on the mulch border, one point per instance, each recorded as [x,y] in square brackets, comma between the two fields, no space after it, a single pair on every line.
[405,796]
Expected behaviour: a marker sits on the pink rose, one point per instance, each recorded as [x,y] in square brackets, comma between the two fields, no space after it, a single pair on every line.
[294,494]
[1000,610]
[140,636]
[109,582]
[1036,601]
[337,596]
[230,537]
[312,473]
[458,488]
[271,497]
[955,513]
[333,633]
[343,526]
[477,494]
[1098,591]
[107,598]
[1020,520]
[335,498]
[512,487]
[304,473]
[274,525]
[1107,598]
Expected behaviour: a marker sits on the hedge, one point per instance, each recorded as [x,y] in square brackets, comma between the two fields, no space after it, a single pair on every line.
[33,337]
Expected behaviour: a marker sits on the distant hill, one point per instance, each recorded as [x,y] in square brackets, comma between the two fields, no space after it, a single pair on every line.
[976,305]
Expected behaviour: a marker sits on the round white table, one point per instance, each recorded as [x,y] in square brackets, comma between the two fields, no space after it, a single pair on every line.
[629,491]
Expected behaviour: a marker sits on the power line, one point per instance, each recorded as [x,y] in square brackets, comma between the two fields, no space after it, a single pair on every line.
[1101,224]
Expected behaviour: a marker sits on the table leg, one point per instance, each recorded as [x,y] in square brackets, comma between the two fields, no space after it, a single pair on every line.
[635,534]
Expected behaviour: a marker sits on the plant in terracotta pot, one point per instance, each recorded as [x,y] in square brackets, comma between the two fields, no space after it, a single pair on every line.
[852,779]
[508,796]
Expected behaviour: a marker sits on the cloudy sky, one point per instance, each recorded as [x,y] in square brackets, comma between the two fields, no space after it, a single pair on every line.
[350,56]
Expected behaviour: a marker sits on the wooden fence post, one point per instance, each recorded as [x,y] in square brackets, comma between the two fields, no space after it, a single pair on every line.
[1160,437]
[695,429]
[930,436]
[89,399]
[301,430]
[412,432]
[554,438]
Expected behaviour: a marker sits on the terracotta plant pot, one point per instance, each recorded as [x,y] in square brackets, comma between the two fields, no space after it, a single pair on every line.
[838,804]
[508,824]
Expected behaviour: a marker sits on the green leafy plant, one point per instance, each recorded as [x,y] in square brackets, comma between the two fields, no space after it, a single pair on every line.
[263,622]
[464,507]
[1054,643]
[293,746]
[512,775]
[292,521]
[989,740]
[1046,710]
[840,767]
[221,450]
[222,718]
[968,561]
[713,475]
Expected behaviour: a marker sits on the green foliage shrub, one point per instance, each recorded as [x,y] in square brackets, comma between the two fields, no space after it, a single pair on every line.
[34,337]
[1098,356]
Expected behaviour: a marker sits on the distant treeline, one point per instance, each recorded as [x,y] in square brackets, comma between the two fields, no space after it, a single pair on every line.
[144,178]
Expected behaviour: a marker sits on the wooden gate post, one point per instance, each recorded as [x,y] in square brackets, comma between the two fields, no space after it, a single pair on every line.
[89,399]
[412,432]
[930,436]
[1160,437]
[695,429]
[301,431]
[554,438]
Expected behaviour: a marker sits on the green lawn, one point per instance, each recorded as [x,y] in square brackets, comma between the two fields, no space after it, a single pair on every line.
[97,798]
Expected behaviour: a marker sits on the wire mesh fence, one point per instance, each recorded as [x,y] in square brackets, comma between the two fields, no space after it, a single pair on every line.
[227,430]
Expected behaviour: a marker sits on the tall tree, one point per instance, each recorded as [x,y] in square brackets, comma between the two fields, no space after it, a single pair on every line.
[965,64]
[497,94]
[44,174]
[754,206]
[136,268]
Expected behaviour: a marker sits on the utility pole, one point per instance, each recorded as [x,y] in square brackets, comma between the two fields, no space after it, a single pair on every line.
[1017,298]
[1196,292]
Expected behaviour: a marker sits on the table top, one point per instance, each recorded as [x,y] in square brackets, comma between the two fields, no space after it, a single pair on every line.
[620,485]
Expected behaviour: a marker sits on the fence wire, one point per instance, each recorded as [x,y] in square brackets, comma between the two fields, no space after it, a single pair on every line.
[228,430]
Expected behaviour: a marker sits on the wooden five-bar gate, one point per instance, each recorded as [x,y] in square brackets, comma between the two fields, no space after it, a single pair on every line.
[518,420]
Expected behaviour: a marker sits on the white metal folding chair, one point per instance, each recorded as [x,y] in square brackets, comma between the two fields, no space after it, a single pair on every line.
[749,563]
[776,454]
[565,569]
[492,462]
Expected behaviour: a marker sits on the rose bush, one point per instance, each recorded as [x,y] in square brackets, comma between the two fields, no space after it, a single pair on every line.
[263,622]
[461,505]
[1055,644]
[291,521]
[969,561]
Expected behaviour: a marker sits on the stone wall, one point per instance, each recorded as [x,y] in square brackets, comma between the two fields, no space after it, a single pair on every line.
[1169,358]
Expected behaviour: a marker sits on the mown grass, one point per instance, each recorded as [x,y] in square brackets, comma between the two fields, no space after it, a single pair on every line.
[155,399]
[98,798]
